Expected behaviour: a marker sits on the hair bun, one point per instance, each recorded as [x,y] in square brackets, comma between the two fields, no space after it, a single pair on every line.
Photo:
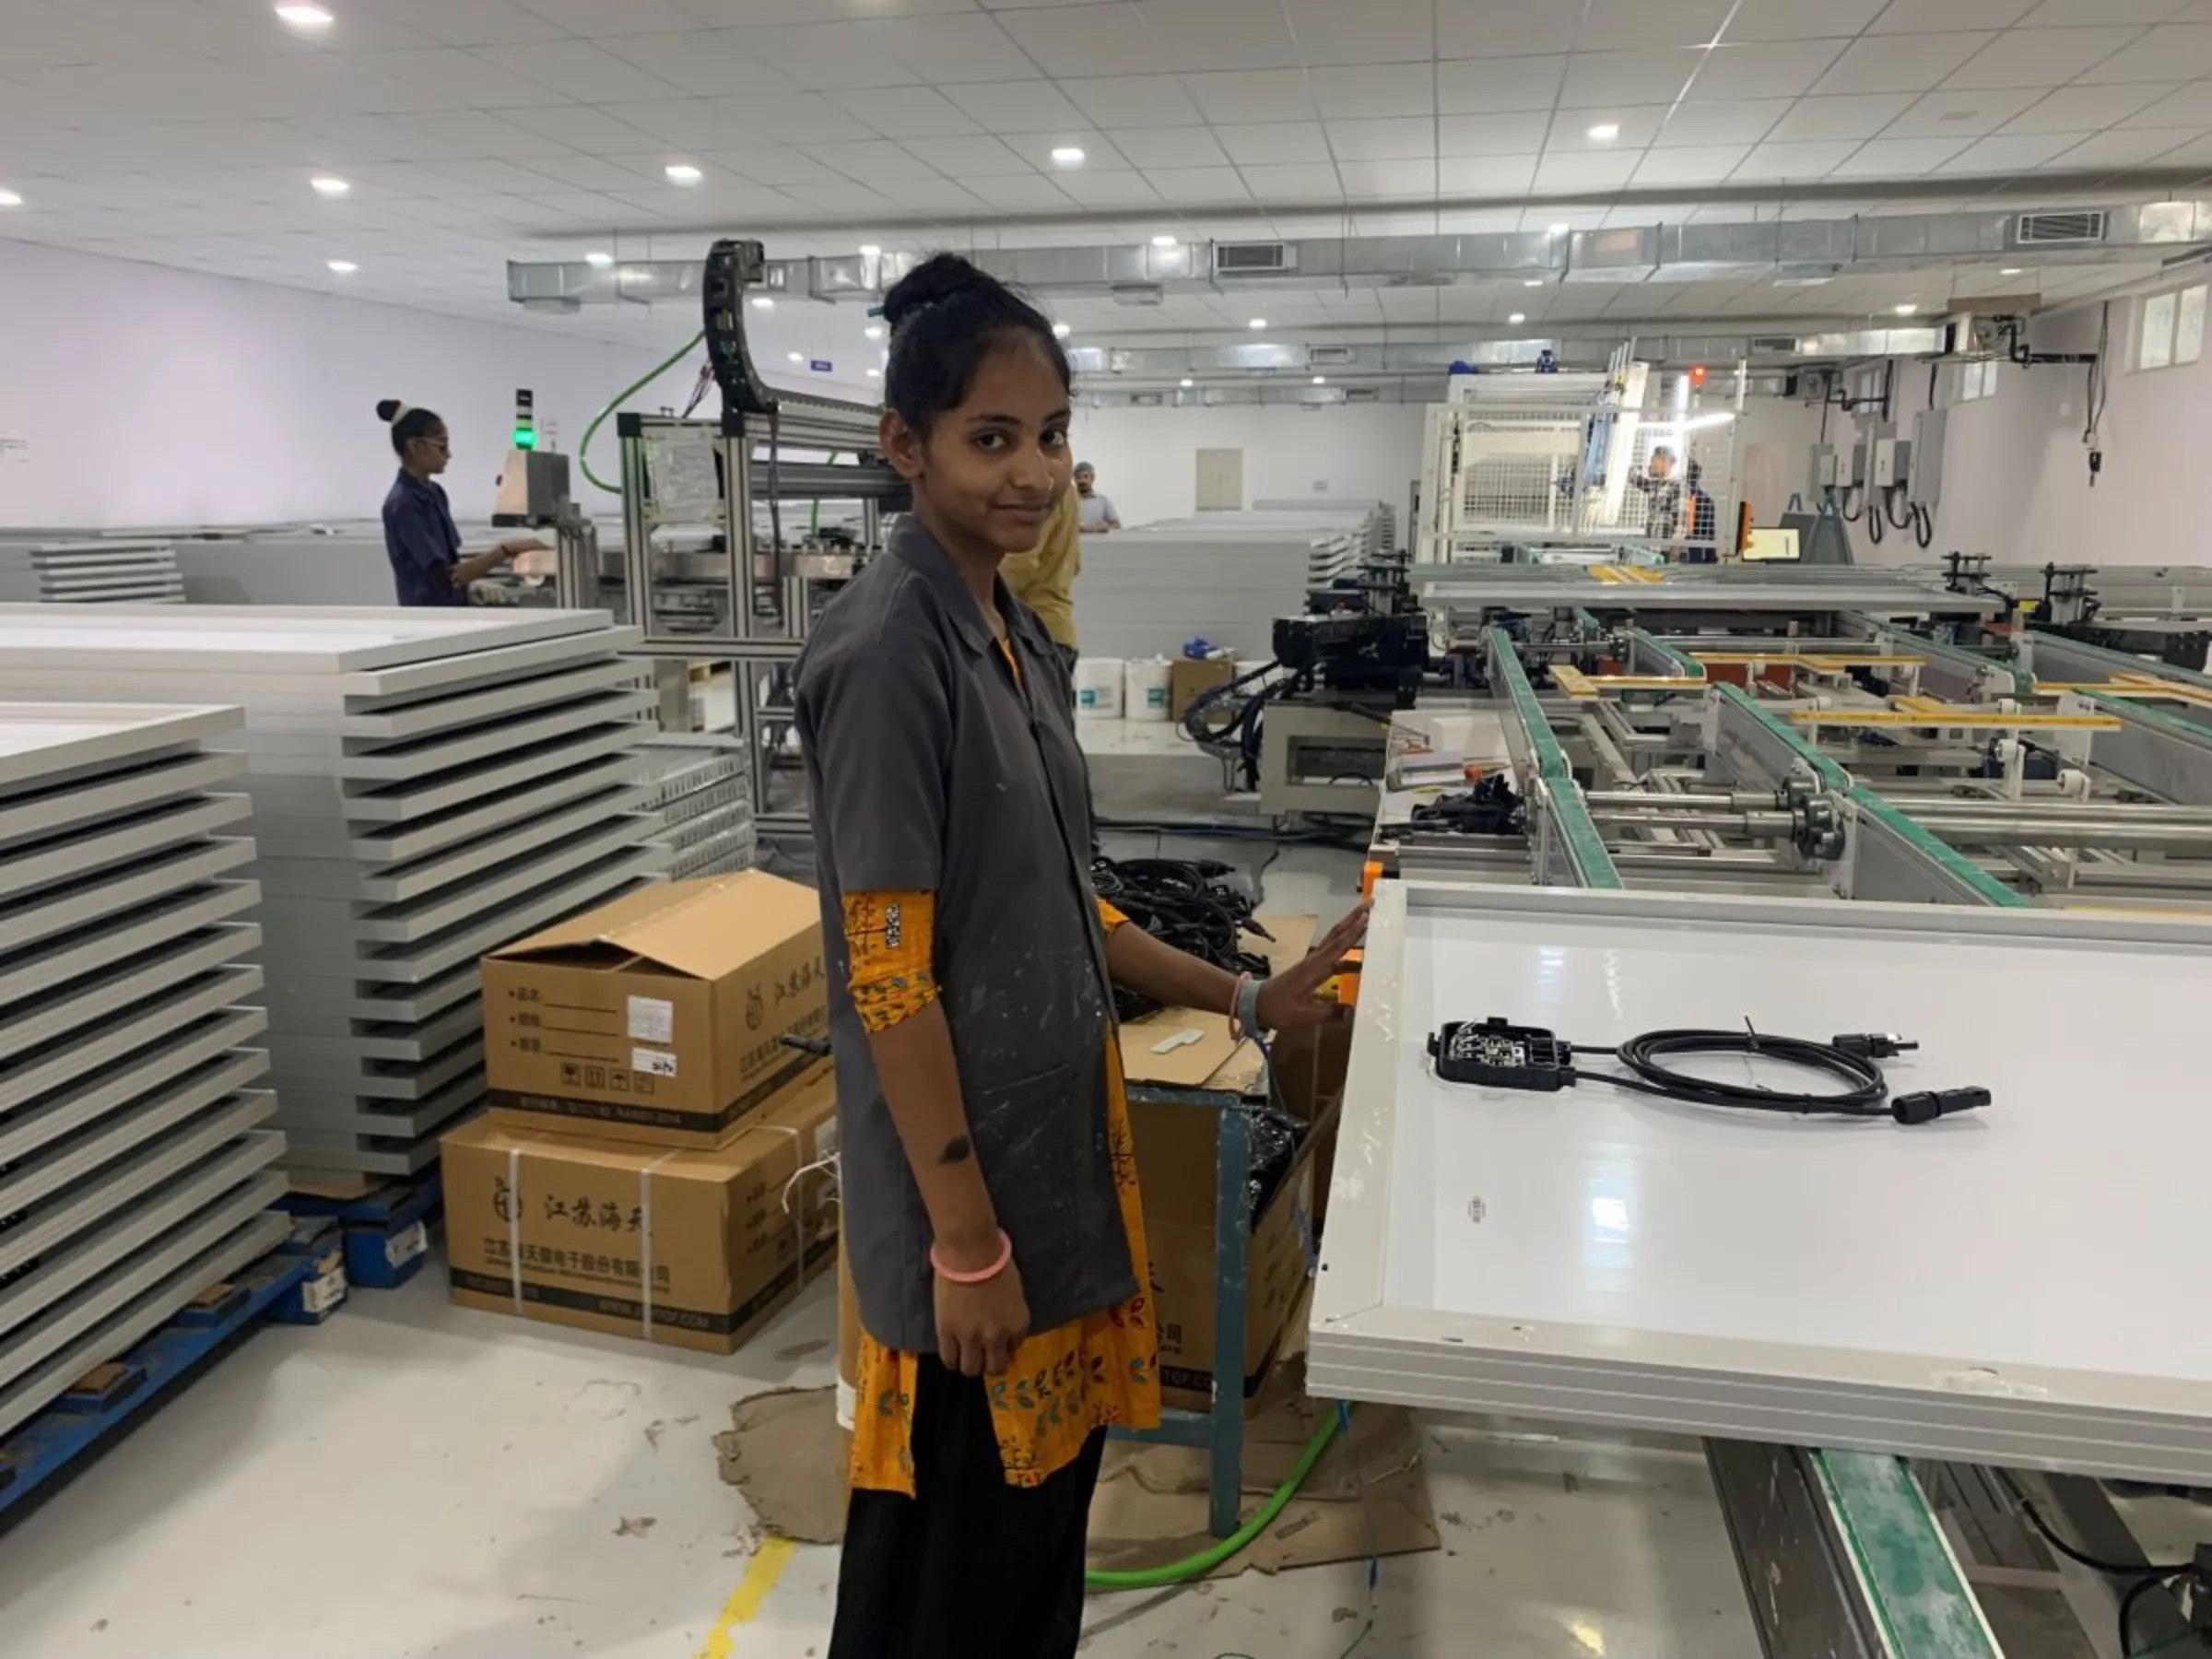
[389,410]
[940,278]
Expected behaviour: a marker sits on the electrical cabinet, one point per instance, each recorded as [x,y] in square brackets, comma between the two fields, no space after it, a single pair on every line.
[1925,487]
[1892,462]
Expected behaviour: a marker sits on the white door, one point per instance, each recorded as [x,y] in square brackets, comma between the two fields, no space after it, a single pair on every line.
[1221,481]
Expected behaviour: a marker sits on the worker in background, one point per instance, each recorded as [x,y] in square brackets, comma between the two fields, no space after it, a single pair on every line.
[990,1198]
[1044,577]
[1662,496]
[1704,518]
[420,538]
[1095,513]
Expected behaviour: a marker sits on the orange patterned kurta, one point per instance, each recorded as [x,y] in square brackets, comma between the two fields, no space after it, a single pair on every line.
[1098,1372]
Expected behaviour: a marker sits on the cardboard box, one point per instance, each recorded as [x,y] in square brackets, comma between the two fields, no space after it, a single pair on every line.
[657,1018]
[695,1249]
[1187,676]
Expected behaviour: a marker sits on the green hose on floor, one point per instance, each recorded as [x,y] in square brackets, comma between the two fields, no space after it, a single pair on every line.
[1205,1561]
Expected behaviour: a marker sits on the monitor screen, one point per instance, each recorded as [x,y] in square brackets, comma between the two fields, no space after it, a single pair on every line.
[1780,545]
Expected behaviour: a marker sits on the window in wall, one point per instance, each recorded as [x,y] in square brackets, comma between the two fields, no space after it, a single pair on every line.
[2170,329]
[1973,381]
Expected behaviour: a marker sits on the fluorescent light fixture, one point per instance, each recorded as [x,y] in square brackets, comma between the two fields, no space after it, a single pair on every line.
[1165,241]
[1321,380]
[796,356]
[8,198]
[327,184]
[344,268]
[1518,317]
[1532,282]
[874,331]
[1061,331]
[763,302]
[1559,230]
[682,172]
[1694,423]
[1188,382]
[304,16]
[1067,155]
[598,261]
[1605,131]
[1257,323]
[870,251]
[1906,309]
[2011,271]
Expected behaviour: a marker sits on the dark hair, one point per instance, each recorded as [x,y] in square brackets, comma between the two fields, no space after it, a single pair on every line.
[405,423]
[946,317]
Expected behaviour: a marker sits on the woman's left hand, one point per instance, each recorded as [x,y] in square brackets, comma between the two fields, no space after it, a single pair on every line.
[1293,996]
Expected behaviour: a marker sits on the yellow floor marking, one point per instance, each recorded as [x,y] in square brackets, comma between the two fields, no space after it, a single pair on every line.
[744,1605]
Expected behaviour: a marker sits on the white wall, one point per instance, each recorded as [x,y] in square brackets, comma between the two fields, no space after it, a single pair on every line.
[153,396]
[1147,459]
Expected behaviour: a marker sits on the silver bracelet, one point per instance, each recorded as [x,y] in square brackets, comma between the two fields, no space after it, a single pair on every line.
[1248,1005]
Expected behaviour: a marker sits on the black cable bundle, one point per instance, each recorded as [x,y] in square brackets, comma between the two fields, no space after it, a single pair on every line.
[1225,720]
[1193,905]
[1490,808]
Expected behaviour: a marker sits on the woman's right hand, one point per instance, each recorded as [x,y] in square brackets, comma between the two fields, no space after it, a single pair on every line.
[979,1327]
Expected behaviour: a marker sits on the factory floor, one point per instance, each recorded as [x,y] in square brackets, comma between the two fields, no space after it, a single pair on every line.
[412,1480]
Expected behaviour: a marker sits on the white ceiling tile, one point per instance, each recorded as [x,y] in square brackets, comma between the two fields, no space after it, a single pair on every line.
[906,111]
[1860,115]
[1198,184]
[1258,96]
[1483,86]
[2060,14]
[701,123]
[712,62]
[2173,52]
[1096,41]
[579,70]
[1003,106]
[941,49]
[579,127]
[586,172]
[1607,24]
[1937,17]
[1365,180]
[2086,109]
[1012,194]
[1743,120]
[1897,158]
[2011,153]
[1476,29]
[1769,69]
[1639,125]
[1372,31]
[1353,92]
[1899,63]
[595,19]
[1127,101]
[827,56]
[2040,57]
[1953,115]
[1513,134]
[1486,175]
[1600,78]
[1802,19]
[1274,142]
[2189,106]
[1689,164]
[1149,148]
[845,198]
[734,14]
[963,157]
[467,133]
[774,164]
[1220,34]
[937,195]
[1799,161]
[1108,189]
[872,161]
[1573,172]
[1304,182]
[1390,140]
[470,22]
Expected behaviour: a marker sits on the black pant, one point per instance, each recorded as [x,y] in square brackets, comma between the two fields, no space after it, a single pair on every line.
[969,1568]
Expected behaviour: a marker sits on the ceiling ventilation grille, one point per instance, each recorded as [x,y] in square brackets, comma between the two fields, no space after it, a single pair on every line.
[1353,394]
[1328,353]
[1253,259]
[2043,228]
[1774,345]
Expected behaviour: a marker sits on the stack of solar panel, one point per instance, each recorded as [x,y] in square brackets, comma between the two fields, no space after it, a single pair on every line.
[135,1164]
[702,789]
[90,573]
[428,786]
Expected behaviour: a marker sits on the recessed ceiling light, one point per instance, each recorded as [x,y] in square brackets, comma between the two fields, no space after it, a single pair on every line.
[763,302]
[634,274]
[874,374]
[344,268]
[1061,331]
[1532,282]
[1188,382]
[1165,241]
[325,184]
[598,261]
[1518,317]
[1257,323]
[1321,380]
[1605,131]
[1907,309]
[682,172]
[8,198]
[305,17]
[874,331]
[2010,271]
[1067,155]
[796,356]
[1559,230]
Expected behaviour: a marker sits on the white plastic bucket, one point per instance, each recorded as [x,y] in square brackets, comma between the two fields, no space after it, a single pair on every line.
[1145,689]
[1099,687]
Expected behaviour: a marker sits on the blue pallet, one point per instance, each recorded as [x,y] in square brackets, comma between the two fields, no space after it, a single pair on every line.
[77,1428]
[387,1231]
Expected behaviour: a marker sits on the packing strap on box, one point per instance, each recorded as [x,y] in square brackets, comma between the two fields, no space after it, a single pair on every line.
[514,1227]
[645,1241]
[514,1215]
[827,1161]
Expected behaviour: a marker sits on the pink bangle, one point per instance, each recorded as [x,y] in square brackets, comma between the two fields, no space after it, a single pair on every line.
[1005,1254]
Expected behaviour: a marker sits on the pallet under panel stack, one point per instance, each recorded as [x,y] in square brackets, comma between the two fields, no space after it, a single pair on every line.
[136,1159]
[90,572]
[702,789]
[427,787]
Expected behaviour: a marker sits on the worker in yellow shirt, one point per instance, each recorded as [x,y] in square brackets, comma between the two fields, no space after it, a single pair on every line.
[1044,577]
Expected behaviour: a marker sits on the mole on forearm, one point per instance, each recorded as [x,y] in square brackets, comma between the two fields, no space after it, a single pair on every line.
[956,1151]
